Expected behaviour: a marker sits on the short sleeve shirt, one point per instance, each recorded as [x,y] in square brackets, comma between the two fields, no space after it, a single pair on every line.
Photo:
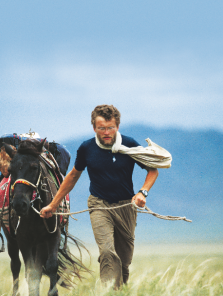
[110,173]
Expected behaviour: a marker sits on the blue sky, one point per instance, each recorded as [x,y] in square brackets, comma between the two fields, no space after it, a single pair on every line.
[159,62]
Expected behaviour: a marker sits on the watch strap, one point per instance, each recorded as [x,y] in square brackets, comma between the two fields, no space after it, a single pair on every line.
[142,191]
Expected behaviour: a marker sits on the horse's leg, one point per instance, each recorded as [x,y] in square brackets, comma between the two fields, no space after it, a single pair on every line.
[33,274]
[13,251]
[40,261]
[52,262]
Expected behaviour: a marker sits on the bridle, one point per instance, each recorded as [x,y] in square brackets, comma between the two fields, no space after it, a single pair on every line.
[35,196]
[35,192]
[23,181]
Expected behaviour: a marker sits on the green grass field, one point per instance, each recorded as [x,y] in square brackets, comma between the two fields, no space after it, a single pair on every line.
[156,270]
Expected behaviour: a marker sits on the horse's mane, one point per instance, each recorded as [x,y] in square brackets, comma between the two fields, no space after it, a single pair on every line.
[33,147]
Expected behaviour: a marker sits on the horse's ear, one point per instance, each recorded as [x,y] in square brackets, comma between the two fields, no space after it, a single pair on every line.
[9,150]
[41,145]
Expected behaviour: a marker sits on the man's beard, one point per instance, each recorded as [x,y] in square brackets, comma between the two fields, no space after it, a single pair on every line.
[107,144]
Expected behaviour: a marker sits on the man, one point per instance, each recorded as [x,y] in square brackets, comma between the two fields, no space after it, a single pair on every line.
[110,186]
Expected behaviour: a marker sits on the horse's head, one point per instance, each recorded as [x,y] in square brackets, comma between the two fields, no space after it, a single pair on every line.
[25,172]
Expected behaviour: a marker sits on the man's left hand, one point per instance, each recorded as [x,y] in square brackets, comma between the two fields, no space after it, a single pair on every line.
[139,199]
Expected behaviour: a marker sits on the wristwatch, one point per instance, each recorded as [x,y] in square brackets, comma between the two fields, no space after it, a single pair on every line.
[144,192]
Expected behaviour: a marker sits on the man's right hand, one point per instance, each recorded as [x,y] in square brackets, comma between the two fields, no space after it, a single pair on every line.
[47,212]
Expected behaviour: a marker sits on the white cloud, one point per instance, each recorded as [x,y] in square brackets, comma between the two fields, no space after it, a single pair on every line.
[59,97]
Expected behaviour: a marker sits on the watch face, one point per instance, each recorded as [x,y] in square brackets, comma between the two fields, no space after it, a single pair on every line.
[144,192]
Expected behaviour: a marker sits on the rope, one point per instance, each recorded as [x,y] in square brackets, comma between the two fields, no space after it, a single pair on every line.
[140,210]
[175,218]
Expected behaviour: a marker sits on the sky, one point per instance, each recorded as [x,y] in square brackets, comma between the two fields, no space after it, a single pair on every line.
[159,62]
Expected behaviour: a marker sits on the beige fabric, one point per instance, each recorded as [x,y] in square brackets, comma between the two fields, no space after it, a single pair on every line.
[152,156]
[114,235]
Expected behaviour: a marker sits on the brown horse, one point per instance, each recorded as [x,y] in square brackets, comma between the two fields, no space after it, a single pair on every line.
[39,240]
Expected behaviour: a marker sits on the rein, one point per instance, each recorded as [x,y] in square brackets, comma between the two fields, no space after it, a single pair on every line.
[144,210]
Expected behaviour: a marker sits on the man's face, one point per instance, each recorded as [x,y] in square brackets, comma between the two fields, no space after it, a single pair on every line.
[106,130]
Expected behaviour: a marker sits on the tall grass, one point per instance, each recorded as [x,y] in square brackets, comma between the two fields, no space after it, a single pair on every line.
[168,271]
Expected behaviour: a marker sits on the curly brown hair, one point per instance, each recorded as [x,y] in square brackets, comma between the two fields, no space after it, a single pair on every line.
[107,112]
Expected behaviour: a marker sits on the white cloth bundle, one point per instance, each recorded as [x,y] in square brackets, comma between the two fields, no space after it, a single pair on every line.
[152,156]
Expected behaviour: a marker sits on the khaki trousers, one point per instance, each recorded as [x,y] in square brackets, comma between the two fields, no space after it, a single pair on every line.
[114,234]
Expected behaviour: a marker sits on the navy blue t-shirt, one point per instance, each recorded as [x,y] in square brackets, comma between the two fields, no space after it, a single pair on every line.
[110,173]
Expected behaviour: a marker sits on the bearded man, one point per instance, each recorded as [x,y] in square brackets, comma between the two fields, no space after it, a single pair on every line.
[110,186]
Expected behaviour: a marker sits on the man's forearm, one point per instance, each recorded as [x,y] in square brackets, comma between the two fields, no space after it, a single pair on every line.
[150,179]
[139,198]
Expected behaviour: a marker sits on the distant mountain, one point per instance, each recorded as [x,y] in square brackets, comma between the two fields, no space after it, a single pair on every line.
[192,187]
